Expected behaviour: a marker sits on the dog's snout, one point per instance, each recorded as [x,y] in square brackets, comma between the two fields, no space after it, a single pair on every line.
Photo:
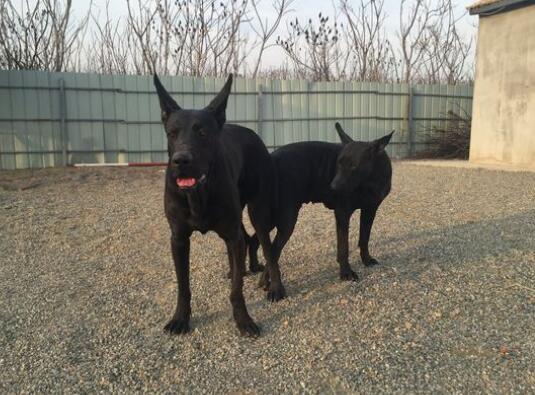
[182,158]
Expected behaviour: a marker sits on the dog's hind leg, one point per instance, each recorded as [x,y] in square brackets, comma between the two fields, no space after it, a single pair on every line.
[288,219]
[367,215]
[261,222]
[342,231]
[252,246]
[236,254]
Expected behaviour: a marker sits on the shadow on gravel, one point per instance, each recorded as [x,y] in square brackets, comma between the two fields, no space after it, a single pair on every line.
[421,252]
[460,244]
[431,250]
[309,283]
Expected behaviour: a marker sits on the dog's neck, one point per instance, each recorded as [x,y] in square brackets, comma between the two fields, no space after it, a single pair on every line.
[197,201]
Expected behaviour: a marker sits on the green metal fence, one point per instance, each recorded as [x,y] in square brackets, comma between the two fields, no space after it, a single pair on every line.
[51,119]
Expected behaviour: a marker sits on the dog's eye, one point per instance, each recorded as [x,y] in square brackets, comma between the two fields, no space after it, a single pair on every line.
[198,129]
[345,162]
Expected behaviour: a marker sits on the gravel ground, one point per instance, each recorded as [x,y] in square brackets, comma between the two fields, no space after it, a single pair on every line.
[87,284]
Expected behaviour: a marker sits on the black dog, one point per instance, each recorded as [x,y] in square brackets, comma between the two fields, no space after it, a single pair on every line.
[344,177]
[214,169]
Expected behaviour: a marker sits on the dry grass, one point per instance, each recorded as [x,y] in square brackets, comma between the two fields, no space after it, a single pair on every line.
[450,141]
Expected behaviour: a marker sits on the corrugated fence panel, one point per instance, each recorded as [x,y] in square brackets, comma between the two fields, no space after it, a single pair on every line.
[30,112]
[277,111]
[116,118]
[7,143]
[18,126]
[132,119]
[109,126]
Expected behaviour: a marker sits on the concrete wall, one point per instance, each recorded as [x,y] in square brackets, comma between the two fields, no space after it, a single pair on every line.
[503,123]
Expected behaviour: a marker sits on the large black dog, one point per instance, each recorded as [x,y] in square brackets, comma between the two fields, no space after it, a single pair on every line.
[344,177]
[214,170]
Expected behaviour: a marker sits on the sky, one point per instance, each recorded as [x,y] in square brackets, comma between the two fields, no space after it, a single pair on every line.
[303,10]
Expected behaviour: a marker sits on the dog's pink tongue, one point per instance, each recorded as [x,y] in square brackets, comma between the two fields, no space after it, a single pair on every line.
[185,182]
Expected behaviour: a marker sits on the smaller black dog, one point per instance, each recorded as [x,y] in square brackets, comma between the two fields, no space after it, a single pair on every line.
[344,177]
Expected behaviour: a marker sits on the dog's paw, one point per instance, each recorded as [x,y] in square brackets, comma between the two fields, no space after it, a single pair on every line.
[348,275]
[370,261]
[177,327]
[248,329]
[274,294]
[256,267]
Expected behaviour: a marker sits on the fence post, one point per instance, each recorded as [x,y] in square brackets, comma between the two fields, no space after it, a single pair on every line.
[260,111]
[410,129]
[309,88]
[62,115]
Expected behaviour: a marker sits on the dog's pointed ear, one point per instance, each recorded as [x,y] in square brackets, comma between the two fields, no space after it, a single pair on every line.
[344,138]
[218,105]
[380,144]
[167,103]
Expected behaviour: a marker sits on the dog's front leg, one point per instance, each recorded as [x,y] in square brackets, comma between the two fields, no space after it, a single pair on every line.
[180,243]
[367,216]
[236,251]
[342,235]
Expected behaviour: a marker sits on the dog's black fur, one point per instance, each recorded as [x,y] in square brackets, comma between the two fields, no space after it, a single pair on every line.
[214,170]
[344,177]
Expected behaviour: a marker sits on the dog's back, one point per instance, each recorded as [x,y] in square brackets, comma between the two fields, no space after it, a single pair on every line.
[305,171]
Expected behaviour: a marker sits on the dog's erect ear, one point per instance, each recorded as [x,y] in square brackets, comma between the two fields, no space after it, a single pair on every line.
[344,138]
[218,105]
[380,144]
[167,104]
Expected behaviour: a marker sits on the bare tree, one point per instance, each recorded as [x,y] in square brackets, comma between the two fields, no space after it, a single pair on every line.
[141,23]
[215,37]
[110,48]
[314,49]
[433,51]
[447,52]
[416,17]
[264,30]
[223,39]
[39,35]
[353,47]
[456,65]
[366,40]
[194,37]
